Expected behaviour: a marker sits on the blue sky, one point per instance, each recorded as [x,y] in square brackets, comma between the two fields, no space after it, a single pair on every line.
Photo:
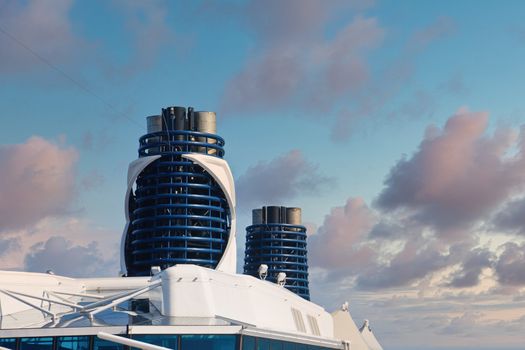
[397,123]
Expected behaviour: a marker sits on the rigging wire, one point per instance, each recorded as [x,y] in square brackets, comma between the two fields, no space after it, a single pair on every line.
[72,80]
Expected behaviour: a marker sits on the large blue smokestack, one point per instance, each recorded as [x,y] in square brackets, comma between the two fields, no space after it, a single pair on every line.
[177,212]
[277,239]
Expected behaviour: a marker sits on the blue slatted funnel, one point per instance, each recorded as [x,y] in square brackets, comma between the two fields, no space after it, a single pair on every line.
[277,239]
[177,212]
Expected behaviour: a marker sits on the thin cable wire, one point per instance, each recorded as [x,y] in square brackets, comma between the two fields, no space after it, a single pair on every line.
[80,85]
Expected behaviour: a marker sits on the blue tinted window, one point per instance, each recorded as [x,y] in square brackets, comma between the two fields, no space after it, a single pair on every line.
[263,344]
[100,344]
[36,343]
[208,342]
[248,343]
[166,340]
[299,346]
[276,345]
[288,346]
[73,343]
[9,343]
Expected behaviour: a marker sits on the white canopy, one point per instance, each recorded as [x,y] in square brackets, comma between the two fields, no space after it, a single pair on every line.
[368,336]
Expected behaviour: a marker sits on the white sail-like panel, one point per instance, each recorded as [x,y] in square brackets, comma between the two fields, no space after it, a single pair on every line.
[219,169]
[345,329]
[134,170]
[369,337]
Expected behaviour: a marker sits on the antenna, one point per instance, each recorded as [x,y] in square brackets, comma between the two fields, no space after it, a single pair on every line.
[344,307]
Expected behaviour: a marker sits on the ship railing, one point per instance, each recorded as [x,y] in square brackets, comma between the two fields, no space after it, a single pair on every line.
[88,310]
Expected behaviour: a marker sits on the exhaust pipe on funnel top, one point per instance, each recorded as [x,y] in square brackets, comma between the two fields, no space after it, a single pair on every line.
[257,216]
[154,123]
[293,216]
[179,120]
[205,122]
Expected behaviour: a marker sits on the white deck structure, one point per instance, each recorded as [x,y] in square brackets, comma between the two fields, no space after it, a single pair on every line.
[182,299]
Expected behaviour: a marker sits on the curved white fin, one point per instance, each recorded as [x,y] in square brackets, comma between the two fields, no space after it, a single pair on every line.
[220,170]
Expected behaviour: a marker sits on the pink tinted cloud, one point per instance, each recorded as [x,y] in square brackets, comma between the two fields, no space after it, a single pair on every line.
[510,218]
[279,180]
[8,245]
[42,32]
[472,266]
[295,62]
[338,241]
[280,22]
[148,30]
[510,265]
[42,26]
[412,263]
[369,100]
[77,231]
[346,248]
[301,64]
[441,27]
[82,260]
[37,179]
[268,80]
[458,174]
[345,67]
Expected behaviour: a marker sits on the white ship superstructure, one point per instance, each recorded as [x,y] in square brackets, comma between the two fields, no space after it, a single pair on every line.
[178,287]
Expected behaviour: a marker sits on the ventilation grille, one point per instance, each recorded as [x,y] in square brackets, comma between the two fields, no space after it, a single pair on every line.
[314,327]
[298,319]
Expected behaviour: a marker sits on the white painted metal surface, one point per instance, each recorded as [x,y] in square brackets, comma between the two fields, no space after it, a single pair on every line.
[194,291]
[346,329]
[134,169]
[369,337]
[220,170]
[185,292]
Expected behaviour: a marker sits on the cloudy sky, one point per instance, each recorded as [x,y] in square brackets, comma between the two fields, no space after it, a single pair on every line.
[398,127]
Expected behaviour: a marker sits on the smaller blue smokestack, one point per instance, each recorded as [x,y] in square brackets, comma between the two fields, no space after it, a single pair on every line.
[277,239]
